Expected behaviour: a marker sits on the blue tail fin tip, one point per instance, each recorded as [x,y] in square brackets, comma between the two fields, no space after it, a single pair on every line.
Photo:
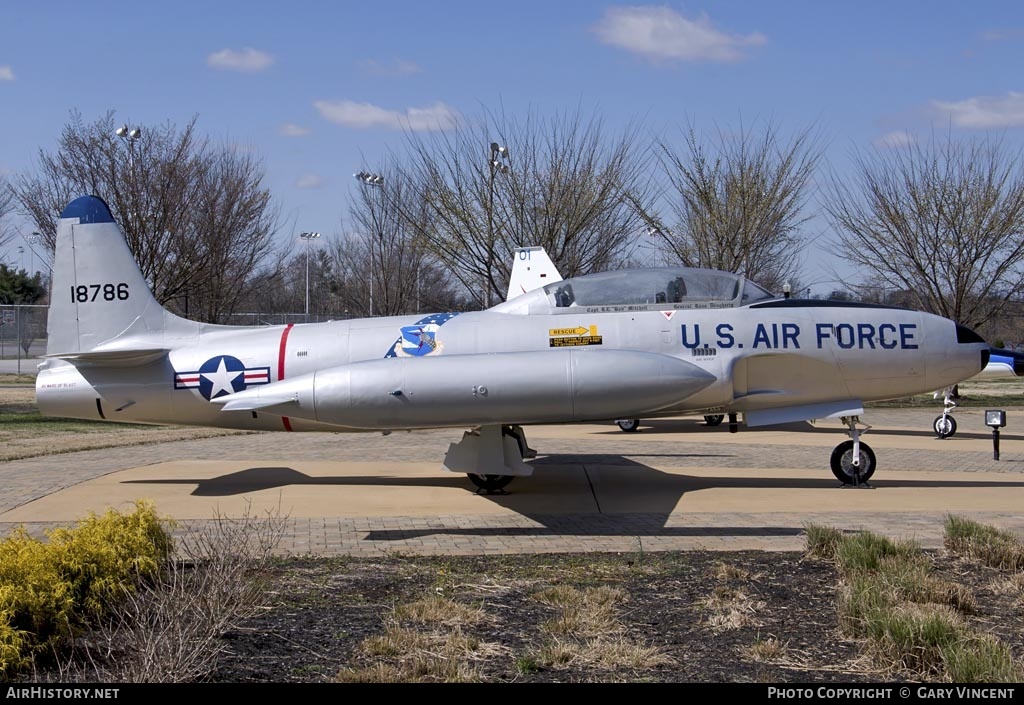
[88,209]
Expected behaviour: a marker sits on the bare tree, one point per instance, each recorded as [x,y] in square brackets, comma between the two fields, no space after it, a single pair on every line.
[941,220]
[384,266]
[738,203]
[561,183]
[195,216]
[233,223]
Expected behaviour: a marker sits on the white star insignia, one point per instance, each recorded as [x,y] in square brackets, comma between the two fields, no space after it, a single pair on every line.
[222,380]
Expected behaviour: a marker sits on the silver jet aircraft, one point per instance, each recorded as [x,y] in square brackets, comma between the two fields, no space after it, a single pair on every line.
[614,345]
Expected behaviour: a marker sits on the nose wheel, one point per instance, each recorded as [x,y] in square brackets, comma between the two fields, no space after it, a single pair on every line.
[844,469]
[853,462]
[629,425]
[944,426]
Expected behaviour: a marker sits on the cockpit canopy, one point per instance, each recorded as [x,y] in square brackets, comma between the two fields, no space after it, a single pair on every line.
[660,288]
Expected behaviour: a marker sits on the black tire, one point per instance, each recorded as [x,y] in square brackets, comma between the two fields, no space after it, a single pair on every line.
[629,425]
[944,426]
[490,483]
[842,463]
[714,419]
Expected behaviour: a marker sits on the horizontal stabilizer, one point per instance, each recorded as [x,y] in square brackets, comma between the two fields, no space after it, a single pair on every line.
[123,357]
[804,412]
[253,403]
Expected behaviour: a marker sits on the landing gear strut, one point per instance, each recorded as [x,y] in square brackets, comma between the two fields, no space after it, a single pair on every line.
[853,462]
[491,457]
[945,425]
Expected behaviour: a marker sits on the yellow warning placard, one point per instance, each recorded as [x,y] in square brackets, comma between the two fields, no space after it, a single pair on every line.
[569,341]
[578,330]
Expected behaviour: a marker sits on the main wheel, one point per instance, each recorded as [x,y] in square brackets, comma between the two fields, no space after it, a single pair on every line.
[714,419]
[491,483]
[629,425]
[842,463]
[945,426]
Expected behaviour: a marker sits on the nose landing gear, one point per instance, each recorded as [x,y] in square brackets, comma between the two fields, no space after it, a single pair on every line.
[945,425]
[853,462]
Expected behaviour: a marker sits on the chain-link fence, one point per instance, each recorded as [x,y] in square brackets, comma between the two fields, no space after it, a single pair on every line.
[22,332]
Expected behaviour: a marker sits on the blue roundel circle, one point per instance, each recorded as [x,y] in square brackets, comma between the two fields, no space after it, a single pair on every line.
[221,375]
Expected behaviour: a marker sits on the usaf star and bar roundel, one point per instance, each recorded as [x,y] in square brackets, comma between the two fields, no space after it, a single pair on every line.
[221,375]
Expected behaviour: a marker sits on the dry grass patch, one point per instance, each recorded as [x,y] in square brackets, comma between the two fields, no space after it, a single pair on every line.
[765,650]
[730,606]
[726,572]
[588,630]
[424,641]
[437,609]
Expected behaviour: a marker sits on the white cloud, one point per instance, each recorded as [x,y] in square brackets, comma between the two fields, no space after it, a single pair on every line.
[660,33]
[398,67]
[365,115]
[290,129]
[6,74]
[893,140]
[310,181]
[1003,35]
[984,111]
[247,60]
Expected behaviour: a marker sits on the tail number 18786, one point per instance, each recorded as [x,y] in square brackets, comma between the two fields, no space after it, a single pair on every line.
[86,293]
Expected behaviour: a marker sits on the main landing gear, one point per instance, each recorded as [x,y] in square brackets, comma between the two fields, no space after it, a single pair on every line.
[945,425]
[491,457]
[853,462]
[631,425]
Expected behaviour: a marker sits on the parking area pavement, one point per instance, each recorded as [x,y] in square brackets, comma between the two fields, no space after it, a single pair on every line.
[675,484]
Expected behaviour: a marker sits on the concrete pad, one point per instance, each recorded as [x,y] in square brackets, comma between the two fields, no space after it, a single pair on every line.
[676,484]
[204,489]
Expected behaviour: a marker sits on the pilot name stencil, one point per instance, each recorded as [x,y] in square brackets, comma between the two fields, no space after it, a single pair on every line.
[789,336]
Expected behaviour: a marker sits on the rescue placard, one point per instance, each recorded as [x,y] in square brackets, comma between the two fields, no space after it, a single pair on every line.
[567,337]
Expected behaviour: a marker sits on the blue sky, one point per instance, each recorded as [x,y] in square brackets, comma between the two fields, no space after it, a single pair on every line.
[322,89]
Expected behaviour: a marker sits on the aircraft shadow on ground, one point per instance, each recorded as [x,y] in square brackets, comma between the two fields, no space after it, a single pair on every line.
[651,494]
[689,427]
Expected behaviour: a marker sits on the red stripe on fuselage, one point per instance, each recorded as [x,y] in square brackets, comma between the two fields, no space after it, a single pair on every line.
[280,366]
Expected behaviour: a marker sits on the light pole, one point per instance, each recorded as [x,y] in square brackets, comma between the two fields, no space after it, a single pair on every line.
[499,162]
[129,136]
[307,237]
[367,179]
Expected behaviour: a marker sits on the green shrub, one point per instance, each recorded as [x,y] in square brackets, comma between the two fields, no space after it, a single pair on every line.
[48,590]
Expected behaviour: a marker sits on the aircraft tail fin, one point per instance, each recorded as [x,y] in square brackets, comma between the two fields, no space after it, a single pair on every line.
[531,270]
[1003,363]
[99,299]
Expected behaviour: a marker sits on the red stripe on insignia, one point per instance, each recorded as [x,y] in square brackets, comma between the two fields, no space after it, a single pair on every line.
[280,366]
[186,380]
